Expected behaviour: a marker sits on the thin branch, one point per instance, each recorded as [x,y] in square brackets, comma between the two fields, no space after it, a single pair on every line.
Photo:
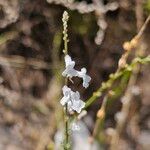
[128,46]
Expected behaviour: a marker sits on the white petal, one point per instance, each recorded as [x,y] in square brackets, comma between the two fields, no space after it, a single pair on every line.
[78,105]
[66,90]
[82,73]
[83,70]
[67,94]
[69,72]
[68,61]
[75,96]
[81,106]
[86,81]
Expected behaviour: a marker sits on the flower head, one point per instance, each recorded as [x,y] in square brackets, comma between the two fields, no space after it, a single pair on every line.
[71,72]
[72,99]
[76,103]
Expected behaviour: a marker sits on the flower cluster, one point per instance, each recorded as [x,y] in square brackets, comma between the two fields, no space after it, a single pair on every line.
[71,98]
[71,72]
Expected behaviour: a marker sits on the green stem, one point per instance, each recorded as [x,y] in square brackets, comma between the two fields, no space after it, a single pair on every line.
[67,143]
[66,47]
[65,38]
[106,85]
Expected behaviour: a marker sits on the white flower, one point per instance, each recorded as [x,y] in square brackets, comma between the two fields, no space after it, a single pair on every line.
[67,94]
[69,71]
[76,103]
[86,79]
[75,127]
[72,99]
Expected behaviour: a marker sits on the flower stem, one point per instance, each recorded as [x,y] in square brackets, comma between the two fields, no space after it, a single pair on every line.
[65,38]
[106,85]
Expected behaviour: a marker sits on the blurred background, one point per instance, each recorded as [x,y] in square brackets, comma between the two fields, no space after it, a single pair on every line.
[31,62]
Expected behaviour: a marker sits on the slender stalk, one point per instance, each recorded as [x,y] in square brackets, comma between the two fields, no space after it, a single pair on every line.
[65,38]
[99,120]
[66,144]
[128,46]
[112,79]
[128,96]
[67,141]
